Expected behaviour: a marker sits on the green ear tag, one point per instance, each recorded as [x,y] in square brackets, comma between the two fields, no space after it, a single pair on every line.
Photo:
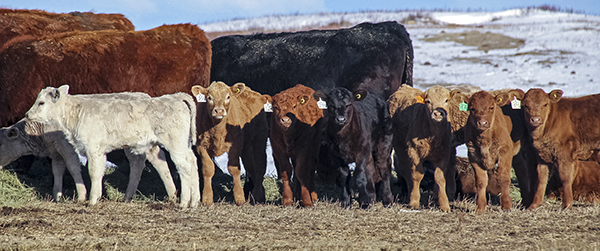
[463,106]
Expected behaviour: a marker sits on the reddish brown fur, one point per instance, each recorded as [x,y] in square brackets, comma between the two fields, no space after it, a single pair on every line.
[487,134]
[167,59]
[296,130]
[242,131]
[418,138]
[17,22]
[562,129]
[586,184]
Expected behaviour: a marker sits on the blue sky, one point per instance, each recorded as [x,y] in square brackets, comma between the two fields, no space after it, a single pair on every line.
[147,14]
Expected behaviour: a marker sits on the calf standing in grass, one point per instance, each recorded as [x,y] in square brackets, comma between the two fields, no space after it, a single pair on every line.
[359,130]
[422,133]
[296,129]
[562,129]
[232,120]
[488,138]
[96,126]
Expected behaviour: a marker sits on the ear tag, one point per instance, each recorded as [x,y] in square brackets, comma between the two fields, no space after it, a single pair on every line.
[463,106]
[322,104]
[268,107]
[515,104]
[201,98]
[420,99]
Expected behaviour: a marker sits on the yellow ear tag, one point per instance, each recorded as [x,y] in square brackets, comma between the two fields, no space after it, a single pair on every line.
[420,99]
[555,95]
[358,96]
[302,101]
[499,99]
[238,90]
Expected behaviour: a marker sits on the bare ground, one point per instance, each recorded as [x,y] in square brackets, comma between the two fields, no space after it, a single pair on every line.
[224,226]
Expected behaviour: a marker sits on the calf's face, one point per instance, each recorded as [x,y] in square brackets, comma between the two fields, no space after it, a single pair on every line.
[482,107]
[296,103]
[536,106]
[437,100]
[48,103]
[218,96]
[339,104]
[12,145]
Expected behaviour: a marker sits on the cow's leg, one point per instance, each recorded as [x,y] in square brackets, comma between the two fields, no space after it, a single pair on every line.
[255,162]
[565,171]
[363,174]
[58,170]
[383,165]
[344,183]
[137,162]
[71,159]
[96,165]
[208,171]
[302,173]
[520,167]
[504,163]
[416,173]
[194,177]
[233,166]
[185,161]
[481,183]
[543,173]
[440,182]
[450,175]
[157,158]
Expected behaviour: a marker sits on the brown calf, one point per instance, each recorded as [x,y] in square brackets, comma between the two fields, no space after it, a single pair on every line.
[562,129]
[296,131]
[232,120]
[586,182]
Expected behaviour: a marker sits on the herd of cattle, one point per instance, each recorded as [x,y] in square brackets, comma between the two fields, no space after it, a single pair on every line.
[324,98]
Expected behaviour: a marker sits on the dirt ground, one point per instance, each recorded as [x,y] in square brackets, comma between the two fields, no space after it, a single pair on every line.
[224,226]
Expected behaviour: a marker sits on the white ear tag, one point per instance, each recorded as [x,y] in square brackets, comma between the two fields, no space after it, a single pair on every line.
[322,104]
[515,104]
[201,98]
[268,107]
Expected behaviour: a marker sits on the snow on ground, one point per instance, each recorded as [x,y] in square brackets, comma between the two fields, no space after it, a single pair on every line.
[561,50]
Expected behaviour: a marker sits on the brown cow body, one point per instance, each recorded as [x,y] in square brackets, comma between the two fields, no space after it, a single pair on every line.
[562,129]
[296,131]
[232,120]
[488,136]
[36,23]
[423,133]
[164,60]
[586,182]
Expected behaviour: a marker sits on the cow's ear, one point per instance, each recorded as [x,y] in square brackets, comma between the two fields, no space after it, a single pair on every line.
[319,95]
[196,90]
[518,93]
[12,133]
[303,99]
[64,89]
[360,95]
[555,95]
[238,88]
[502,99]
[55,95]
[269,98]
[458,96]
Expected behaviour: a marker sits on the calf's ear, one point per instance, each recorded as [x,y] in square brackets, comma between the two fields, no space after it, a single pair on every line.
[518,93]
[303,99]
[12,133]
[196,89]
[360,95]
[269,98]
[319,95]
[555,95]
[502,99]
[238,88]
[55,95]
[458,96]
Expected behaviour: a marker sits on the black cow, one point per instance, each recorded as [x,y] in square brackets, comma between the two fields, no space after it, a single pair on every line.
[374,57]
[359,129]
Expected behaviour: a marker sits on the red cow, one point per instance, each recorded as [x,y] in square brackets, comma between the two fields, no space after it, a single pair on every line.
[562,129]
[17,22]
[167,59]
[586,182]
[296,129]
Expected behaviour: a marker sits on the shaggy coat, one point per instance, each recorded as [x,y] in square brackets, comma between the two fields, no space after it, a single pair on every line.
[164,60]
[97,126]
[422,133]
[296,131]
[563,130]
[374,57]
[359,130]
[36,23]
[232,120]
